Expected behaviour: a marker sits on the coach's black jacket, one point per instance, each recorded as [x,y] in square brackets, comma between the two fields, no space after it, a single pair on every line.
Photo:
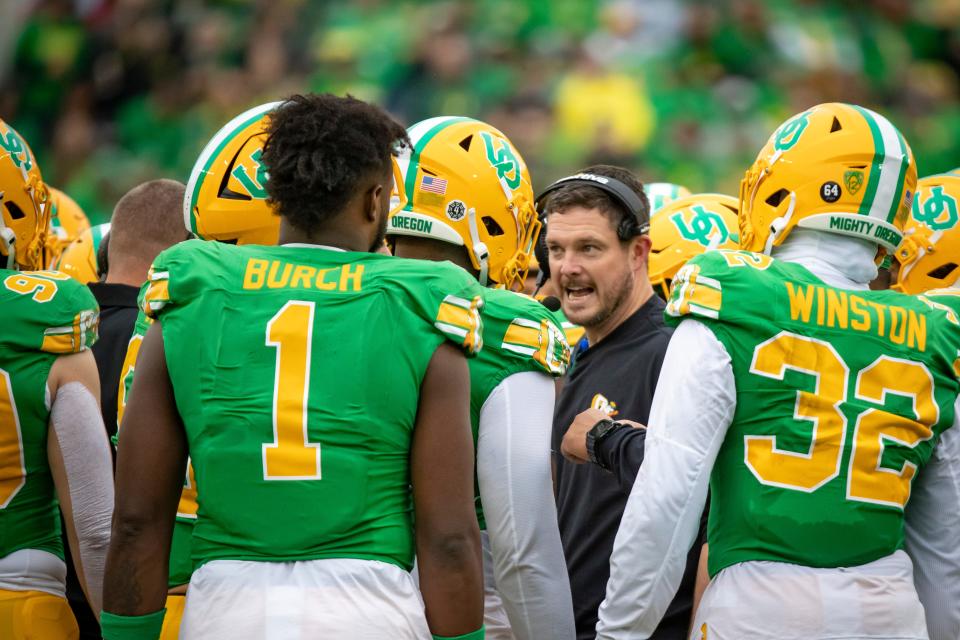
[620,372]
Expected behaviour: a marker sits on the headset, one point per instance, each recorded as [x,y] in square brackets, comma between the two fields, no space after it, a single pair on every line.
[637,223]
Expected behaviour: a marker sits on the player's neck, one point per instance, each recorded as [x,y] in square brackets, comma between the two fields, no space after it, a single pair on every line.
[435,250]
[837,260]
[346,239]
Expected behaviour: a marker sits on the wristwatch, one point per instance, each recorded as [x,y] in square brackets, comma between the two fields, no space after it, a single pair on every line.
[600,432]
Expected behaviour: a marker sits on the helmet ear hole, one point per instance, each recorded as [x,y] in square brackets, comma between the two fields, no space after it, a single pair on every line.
[943,271]
[493,227]
[774,199]
[16,213]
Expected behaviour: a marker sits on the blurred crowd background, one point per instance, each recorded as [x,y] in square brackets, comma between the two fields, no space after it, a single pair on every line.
[113,92]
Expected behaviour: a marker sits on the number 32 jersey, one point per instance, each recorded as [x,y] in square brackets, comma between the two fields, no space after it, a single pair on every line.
[841,398]
[45,314]
[297,372]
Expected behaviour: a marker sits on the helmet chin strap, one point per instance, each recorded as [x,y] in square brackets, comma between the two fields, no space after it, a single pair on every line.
[8,240]
[480,252]
[778,225]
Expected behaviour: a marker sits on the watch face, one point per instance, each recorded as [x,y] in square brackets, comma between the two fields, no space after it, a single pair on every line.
[602,428]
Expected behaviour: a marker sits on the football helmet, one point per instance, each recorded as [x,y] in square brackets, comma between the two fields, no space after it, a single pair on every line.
[663,193]
[67,223]
[835,167]
[930,252]
[687,227]
[465,183]
[79,259]
[24,213]
[226,196]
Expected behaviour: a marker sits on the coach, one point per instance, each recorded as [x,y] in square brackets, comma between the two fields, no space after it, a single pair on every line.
[596,237]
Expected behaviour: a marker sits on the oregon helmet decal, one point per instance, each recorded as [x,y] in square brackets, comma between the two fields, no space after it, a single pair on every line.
[835,167]
[930,254]
[226,196]
[687,227]
[465,183]
[24,210]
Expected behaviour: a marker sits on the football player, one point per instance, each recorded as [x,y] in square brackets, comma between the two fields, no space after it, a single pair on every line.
[79,259]
[313,384]
[660,194]
[813,407]
[689,226]
[67,223]
[53,447]
[226,201]
[929,256]
[469,201]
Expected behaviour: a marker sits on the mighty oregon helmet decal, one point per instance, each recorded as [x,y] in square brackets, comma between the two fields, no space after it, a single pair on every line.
[888,170]
[210,153]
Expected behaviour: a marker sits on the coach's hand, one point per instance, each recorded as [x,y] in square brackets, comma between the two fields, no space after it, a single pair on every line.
[574,445]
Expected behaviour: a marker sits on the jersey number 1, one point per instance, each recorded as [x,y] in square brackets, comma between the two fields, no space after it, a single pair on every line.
[290,456]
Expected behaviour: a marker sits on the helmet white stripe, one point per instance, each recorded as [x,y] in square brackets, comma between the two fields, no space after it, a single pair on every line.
[202,165]
[893,163]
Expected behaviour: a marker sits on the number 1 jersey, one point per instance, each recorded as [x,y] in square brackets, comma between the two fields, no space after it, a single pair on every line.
[297,372]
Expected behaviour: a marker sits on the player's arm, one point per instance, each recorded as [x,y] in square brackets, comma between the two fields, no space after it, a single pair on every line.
[150,467]
[81,465]
[692,408]
[447,534]
[513,468]
[933,535]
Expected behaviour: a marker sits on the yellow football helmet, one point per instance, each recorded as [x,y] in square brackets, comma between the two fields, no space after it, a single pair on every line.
[226,196]
[67,223]
[661,194]
[23,204]
[930,253]
[466,184]
[687,227]
[79,259]
[835,167]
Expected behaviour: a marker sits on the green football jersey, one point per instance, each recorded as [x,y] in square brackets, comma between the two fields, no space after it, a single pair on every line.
[181,563]
[519,334]
[841,398]
[297,373]
[45,314]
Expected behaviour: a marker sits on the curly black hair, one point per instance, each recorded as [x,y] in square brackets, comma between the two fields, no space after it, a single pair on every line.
[318,150]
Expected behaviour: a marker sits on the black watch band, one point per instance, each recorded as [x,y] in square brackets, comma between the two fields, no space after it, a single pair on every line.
[600,432]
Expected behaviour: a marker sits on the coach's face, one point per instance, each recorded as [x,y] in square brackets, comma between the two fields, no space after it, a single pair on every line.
[595,272]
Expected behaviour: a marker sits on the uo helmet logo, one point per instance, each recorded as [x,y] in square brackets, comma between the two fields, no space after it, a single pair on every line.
[705,227]
[14,145]
[503,160]
[938,211]
[789,134]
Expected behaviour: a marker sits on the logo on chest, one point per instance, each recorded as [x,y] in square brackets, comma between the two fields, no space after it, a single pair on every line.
[600,403]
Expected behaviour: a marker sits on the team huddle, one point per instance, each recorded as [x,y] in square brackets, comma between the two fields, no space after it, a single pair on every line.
[334,414]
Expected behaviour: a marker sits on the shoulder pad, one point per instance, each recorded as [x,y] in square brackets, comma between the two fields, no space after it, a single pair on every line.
[48,311]
[697,290]
[520,325]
